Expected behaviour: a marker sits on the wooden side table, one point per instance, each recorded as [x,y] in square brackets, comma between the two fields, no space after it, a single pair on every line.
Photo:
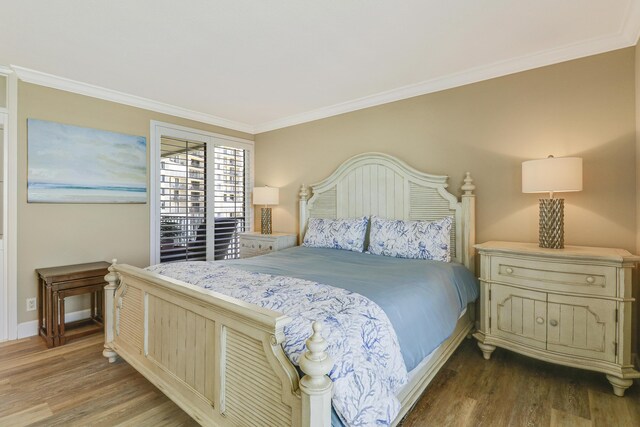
[57,283]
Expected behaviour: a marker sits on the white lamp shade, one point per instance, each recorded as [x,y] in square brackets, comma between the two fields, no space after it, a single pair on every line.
[266,195]
[554,174]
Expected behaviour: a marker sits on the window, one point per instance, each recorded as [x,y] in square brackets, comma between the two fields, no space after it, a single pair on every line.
[199,192]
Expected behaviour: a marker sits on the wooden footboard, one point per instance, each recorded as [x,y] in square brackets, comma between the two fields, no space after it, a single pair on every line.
[218,358]
[221,359]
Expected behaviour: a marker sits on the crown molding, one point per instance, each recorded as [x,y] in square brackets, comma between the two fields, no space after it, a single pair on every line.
[5,71]
[627,36]
[62,83]
[631,26]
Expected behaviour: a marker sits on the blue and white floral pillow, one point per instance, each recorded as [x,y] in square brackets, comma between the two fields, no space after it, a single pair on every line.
[411,239]
[345,233]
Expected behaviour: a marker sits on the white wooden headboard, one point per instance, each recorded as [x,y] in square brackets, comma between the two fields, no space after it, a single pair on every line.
[379,184]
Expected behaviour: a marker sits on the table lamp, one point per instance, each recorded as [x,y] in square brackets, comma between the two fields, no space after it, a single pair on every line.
[265,196]
[552,175]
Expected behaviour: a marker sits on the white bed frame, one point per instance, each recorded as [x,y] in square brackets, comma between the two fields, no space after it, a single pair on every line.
[221,359]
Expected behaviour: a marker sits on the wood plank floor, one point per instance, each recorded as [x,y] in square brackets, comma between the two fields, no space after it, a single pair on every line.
[73,385]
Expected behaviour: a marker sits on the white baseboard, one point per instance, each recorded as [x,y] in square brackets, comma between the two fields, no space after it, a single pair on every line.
[29,329]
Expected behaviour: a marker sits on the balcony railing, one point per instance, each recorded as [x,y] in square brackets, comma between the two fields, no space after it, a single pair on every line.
[185,238]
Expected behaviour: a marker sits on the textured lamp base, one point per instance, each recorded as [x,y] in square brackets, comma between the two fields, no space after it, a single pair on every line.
[266,221]
[551,223]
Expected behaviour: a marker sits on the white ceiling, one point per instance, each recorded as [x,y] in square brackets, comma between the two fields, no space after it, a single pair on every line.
[256,65]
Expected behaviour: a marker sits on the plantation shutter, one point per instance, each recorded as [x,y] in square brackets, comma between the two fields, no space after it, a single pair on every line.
[202,200]
[229,199]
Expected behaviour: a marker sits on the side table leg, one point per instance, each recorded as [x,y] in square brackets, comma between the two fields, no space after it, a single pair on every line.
[100,308]
[55,319]
[48,316]
[62,330]
[40,303]
[93,305]
[487,349]
[620,385]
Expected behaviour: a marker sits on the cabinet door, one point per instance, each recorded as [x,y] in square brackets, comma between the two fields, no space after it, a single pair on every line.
[582,327]
[519,315]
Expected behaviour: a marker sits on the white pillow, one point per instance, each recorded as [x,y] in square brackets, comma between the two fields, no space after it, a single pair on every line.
[411,239]
[344,233]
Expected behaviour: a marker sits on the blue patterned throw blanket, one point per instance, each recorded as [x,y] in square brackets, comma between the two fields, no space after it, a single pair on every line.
[369,368]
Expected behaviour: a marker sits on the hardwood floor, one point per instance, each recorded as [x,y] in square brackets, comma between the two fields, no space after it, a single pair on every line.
[514,390]
[73,385]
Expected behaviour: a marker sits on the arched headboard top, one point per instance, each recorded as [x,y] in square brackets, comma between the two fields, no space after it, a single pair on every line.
[380,184]
[390,162]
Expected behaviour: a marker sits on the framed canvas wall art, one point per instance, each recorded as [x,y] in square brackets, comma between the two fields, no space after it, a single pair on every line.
[72,164]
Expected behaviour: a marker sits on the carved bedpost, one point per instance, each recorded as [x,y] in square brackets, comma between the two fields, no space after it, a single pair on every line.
[109,294]
[469,218]
[316,385]
[304,197]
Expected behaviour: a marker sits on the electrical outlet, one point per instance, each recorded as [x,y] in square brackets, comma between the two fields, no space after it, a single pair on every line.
[31,304]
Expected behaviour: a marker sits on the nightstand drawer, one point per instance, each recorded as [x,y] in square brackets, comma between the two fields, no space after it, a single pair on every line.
[551,275]
[257,245]
[254,244]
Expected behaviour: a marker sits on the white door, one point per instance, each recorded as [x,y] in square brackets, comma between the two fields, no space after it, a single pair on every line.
[4,321]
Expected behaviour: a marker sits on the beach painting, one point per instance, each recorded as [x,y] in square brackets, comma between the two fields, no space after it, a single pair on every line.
[71,164]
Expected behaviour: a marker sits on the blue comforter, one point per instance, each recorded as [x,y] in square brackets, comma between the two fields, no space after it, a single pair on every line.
[407,307]
[422,299]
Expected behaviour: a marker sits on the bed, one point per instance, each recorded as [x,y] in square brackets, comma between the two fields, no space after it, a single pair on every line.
[224,361]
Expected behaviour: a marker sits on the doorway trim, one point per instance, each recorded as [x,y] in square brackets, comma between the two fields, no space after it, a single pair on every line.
[8,299]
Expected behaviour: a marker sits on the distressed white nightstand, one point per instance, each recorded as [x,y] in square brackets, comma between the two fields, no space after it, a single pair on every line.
[253,244]
[569,306]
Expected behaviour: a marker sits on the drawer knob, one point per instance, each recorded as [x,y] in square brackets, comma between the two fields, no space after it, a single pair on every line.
[270,248]
[260,246]
[591,279]
[509,270]
[553,322]
[539,320]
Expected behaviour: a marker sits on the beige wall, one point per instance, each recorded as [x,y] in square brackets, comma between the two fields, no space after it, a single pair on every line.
[60,234]
[583,108]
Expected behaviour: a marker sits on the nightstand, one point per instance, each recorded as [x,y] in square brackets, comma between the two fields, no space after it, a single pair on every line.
[569,306]
[253,244]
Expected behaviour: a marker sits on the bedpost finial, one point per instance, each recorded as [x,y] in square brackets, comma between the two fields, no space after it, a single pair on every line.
[315,362]
[316,344]
[468,186]
[304,192]
[112,277]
